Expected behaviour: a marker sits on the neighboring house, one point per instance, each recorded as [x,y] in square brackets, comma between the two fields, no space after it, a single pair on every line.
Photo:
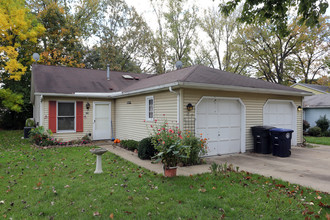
[315,89]
[73,102]
[316,106]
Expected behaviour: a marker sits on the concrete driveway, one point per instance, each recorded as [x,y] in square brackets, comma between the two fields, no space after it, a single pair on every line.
[306,166]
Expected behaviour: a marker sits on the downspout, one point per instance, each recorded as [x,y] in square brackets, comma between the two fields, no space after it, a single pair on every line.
[41,115]
[177,104]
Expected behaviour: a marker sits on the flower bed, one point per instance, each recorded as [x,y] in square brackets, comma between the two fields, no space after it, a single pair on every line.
[42,138]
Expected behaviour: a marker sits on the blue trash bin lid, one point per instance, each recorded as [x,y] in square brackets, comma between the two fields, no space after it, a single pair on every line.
[284,130]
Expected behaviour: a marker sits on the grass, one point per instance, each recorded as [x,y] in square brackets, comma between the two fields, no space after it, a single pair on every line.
[59,183]
[318,140]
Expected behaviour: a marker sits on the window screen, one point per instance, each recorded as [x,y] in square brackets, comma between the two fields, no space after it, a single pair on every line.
[66,116]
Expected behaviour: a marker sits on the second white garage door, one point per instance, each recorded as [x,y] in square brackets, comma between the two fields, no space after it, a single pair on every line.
[281,114]
[221,120]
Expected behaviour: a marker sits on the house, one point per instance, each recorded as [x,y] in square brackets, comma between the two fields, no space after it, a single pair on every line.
[221,106]
[316,106]
[315,89]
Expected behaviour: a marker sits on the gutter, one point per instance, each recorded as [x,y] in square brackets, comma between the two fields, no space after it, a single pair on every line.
[242,89]
[80,94]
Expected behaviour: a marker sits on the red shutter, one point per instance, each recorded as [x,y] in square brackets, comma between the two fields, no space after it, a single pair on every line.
[52,116]
[79,117]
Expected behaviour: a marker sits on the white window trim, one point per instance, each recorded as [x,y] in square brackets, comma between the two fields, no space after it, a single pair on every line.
[74,123]
[147,108]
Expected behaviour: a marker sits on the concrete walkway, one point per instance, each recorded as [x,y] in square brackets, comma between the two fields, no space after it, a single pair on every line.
[307,166]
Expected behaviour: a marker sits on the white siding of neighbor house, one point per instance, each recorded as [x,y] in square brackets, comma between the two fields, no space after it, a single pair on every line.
[88,117]
[254,109]
[131,117]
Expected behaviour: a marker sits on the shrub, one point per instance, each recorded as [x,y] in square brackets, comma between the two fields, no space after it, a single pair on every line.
[315,131]
[195,151]
[306,125]
[323,123]
[146,149]
[29,122]
[130,144]
[326,133]
[174,146]
[41,137]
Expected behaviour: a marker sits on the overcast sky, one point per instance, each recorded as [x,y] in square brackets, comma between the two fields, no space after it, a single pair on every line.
[144,7]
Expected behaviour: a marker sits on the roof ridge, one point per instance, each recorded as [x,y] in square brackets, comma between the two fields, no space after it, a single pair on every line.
[193,70]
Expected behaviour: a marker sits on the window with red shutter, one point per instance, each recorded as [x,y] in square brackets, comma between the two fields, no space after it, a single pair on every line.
[79,117]
[52,116]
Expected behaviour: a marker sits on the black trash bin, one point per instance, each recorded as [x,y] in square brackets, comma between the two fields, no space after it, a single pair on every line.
[261,139]
[281,141]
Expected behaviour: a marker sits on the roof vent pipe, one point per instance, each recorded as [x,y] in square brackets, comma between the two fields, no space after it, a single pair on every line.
[108,71]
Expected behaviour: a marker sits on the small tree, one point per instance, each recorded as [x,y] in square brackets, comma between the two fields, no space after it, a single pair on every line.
[323,123]
[306,125]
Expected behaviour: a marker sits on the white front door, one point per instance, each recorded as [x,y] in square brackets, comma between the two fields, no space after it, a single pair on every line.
[102,121]
[220,121]
[281,114]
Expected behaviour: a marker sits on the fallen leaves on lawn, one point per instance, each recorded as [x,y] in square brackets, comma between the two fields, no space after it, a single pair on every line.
[96,214]
[202,190]
[324,205]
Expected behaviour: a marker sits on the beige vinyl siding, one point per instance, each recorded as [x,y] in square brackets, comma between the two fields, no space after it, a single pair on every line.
[88,117]
[316,92]
[254,109]
[131,118]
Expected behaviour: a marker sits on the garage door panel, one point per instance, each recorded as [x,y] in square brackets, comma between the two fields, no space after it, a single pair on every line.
[235,120]
[202,108]
[234,133]
[211,107]
[212,148]
[202,120]
[212,133]
[212,120]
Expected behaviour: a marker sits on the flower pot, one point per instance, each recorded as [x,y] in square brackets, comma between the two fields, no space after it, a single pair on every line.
[170,171]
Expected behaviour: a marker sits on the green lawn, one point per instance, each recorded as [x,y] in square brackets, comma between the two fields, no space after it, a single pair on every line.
[60,184]
[318,140]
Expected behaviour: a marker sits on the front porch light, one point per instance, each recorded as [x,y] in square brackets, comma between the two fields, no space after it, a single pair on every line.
[190,107]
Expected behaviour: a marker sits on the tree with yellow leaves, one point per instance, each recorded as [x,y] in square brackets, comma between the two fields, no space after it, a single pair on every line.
[18,28]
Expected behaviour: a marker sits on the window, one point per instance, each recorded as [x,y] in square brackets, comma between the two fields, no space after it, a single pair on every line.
[66,116]
[149,108]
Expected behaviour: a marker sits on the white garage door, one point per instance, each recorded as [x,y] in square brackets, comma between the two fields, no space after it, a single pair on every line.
[281,114]
[220,121]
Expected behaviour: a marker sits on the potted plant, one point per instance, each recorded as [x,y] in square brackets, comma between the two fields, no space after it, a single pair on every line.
[29,124]
[169,155]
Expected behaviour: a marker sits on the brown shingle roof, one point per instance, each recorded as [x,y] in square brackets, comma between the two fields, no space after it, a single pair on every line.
[206,75]
[317,101]
[68,80]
